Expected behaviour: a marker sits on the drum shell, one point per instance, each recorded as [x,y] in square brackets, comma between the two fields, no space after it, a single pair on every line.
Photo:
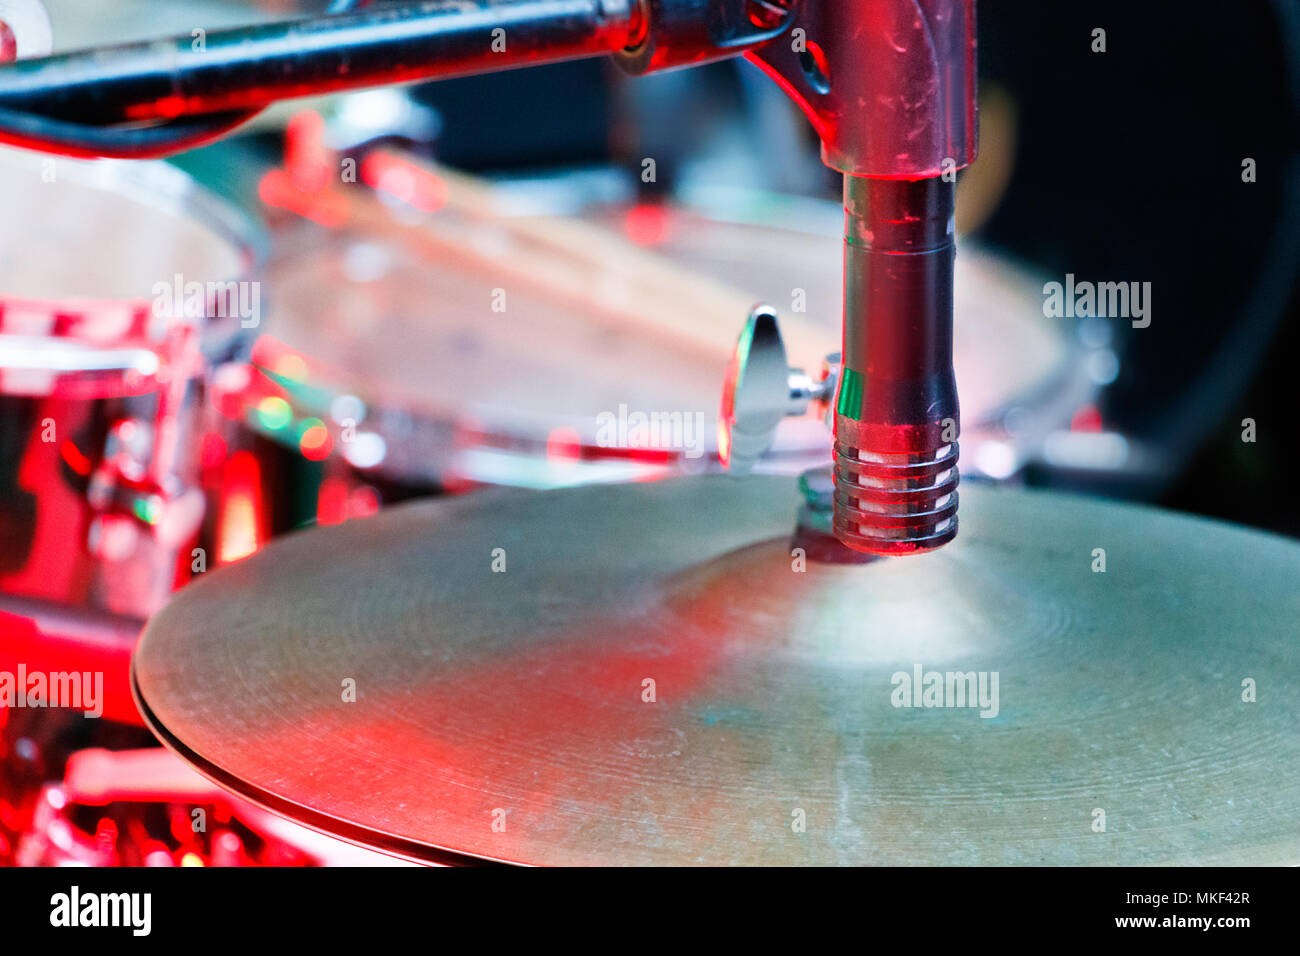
[111,313]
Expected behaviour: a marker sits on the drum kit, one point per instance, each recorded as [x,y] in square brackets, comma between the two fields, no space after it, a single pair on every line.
[421,513]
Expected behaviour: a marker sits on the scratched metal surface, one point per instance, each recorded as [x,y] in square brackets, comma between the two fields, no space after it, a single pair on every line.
[522,691]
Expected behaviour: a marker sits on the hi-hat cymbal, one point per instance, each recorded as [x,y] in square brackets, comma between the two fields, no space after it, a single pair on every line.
[501,647]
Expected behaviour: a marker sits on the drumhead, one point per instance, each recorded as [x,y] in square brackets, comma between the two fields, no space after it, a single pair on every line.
[529,328]
[106,229]
[102,259]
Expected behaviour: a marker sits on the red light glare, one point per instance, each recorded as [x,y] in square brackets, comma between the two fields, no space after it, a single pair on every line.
[75,459]
[405,181]
[308,162]
[1086,419]
[277,189]
[241,511]
[332,502]
[563,444]
[212,450]
[316,443]
[363,502]
[646,224]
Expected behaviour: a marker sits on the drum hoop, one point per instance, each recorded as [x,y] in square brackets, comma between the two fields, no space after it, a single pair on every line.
[167,189]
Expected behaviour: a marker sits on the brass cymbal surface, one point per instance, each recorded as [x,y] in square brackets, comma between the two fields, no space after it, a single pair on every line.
[646,674]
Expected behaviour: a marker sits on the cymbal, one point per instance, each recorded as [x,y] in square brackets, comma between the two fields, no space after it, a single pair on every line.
[506,714]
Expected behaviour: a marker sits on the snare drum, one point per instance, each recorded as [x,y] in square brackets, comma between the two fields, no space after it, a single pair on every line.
[103,360]
[107,326]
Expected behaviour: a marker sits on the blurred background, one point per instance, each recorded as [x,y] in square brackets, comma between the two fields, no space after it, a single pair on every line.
[1117,166]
